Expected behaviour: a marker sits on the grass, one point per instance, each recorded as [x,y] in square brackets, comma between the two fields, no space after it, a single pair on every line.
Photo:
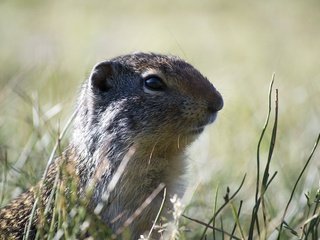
[48,48]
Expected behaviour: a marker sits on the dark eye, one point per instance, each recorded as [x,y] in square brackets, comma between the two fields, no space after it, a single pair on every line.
[154,83]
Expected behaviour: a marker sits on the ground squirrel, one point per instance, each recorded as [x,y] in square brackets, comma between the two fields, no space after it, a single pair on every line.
[154,104]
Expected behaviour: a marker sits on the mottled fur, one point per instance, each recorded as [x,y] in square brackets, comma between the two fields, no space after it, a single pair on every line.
[117,113]
[15,217]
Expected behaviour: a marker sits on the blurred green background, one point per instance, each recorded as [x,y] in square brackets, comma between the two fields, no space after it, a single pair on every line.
[47,48]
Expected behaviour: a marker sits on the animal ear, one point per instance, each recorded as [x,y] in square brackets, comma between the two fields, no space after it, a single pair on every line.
[101,75]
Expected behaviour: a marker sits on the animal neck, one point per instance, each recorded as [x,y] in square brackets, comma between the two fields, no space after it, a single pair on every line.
[147,167]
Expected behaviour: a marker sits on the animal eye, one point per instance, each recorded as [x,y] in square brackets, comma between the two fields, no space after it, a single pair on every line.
[154,83]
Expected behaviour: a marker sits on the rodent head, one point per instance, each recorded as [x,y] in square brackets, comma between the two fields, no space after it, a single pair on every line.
[145,99]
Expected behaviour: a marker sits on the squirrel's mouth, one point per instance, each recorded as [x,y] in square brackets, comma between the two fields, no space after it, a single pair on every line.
[196,130]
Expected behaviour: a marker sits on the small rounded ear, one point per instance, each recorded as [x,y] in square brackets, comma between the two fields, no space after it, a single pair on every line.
[100,76]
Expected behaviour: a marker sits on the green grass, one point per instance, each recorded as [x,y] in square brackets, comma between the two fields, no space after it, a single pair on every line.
[48,48]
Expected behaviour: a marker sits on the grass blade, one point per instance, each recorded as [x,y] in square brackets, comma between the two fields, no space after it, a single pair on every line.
[296,184]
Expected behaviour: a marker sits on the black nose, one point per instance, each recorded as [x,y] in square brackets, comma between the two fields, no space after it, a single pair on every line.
[216,104]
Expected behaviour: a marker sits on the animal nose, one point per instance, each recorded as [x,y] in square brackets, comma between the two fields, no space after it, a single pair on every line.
[216,103]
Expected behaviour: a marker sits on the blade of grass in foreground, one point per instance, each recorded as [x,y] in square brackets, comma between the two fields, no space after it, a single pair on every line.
[213,228]
[266,175]
[296,184]
[265,180]
[28,227]
[220,209]
[261,137]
